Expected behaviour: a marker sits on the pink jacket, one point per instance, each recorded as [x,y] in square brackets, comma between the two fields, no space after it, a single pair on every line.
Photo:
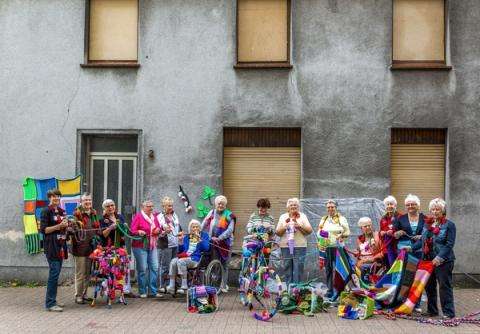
[140,223]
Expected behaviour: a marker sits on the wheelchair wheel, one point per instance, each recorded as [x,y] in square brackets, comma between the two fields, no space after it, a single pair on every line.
[243,279]
[214,274]
[264,295]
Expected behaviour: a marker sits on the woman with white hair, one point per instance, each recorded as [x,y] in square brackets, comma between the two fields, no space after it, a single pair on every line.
[219,225]
[336,226]
[408,231]
[190,252]
[112,235]
[171,232]
[438,239]
[387,223]
[369,247]
[408,228]
[292,228]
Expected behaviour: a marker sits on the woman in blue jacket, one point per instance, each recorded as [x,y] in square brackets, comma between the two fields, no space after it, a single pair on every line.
[408,228]
[189,253]
[438,238]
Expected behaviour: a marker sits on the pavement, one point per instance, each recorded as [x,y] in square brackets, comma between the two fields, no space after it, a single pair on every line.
[22,311]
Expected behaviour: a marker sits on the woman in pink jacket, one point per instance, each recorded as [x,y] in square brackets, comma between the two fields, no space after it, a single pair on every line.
[146,225]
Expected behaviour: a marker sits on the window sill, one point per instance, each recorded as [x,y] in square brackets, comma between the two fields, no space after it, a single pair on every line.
[110,65]
[262,66]
[420,66]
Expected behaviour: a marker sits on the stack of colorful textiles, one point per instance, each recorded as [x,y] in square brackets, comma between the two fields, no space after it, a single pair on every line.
[303,298]
[202,299]
[355,307]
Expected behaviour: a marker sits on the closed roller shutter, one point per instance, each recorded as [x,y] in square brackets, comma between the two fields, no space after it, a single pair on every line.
[251,173]
[418,169]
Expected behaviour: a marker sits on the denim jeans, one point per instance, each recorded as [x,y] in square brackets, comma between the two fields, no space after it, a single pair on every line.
[146,259]
[54,268]
[293,265]
[443,275]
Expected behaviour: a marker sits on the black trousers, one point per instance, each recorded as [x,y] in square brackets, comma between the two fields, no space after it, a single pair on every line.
[443,275]
[330,268]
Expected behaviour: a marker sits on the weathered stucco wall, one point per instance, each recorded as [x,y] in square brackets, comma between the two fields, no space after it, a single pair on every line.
[340,91]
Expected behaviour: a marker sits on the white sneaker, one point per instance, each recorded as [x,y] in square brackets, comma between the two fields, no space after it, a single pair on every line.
[224,289]
[55,308]
[170,289]
[418,310]
[143,295]
[181,291]
[158,295]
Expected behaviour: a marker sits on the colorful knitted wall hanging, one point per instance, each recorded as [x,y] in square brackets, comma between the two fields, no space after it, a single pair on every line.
[35,200]
[202,209]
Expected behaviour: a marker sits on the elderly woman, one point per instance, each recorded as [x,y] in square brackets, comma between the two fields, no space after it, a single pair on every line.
[219,224]
[190,250]
[337,228]
[408,228]
[261,219]
[369,247]
[146,225]
[438,239]
[112,234]
[386,224]
[171,232]
[292,228]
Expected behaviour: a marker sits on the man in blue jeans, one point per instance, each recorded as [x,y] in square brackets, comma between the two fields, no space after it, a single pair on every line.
[53,226]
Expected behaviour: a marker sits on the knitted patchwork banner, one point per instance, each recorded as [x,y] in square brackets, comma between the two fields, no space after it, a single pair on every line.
[422,275]
[35,200]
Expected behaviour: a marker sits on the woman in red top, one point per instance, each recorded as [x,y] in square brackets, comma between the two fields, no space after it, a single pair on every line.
[387,229]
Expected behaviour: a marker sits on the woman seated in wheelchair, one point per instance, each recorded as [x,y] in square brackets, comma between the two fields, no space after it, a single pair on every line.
[369,249]
[190,250]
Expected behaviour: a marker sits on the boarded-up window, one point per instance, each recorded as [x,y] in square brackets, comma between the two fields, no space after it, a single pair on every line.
[418,165]
[255,170]
[262,31]
[419,30]
[113,28]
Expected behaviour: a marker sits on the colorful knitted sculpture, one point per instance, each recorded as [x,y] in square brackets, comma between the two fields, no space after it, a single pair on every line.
[110,272]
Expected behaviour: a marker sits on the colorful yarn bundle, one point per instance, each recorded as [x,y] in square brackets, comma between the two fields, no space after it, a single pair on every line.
[110,273]
[202,299]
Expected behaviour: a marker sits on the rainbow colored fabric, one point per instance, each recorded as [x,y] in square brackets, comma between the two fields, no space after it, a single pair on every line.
[422,275]
[35,200]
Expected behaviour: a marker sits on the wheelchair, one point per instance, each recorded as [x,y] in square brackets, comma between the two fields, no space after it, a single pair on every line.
[208,272]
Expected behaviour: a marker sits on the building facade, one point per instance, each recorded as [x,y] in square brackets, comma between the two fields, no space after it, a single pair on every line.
[278,98]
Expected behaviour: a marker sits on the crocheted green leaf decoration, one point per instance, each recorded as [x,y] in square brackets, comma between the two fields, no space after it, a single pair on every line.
[208,193]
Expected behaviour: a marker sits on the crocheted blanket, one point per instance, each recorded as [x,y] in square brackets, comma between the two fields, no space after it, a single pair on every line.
[35,200]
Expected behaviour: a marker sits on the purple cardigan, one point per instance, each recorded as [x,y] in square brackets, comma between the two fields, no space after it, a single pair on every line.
[140,223]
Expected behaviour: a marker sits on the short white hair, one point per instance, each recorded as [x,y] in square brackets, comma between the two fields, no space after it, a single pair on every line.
[390,199]
[412,198]
[107,202]
[221,199]
[293,200]
[166,200]
[364,221]
[331,201]
[193,221]
[437,202]
[145,202]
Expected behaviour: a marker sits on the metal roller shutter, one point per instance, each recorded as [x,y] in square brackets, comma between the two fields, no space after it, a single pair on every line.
[251,173]
[417,169]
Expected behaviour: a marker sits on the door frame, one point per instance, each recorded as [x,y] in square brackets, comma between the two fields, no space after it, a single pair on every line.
[83,153]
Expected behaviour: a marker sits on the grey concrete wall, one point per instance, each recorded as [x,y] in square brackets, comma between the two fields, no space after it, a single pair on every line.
[340,91]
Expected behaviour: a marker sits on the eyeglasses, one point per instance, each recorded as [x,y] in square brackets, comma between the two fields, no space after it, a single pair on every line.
[109,205]
[411,204]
